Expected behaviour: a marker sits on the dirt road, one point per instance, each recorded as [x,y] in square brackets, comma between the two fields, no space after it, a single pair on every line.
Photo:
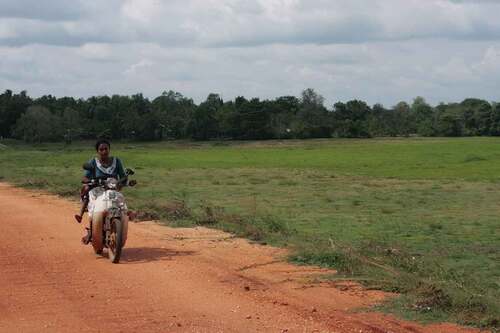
[169,280]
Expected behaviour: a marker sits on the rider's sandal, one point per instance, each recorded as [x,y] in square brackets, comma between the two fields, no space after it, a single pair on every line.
[86,239]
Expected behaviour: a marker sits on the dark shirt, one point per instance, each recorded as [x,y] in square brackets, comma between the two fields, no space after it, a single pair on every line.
[115,170]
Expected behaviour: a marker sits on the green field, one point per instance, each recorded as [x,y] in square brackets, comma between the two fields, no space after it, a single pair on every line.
[416,216]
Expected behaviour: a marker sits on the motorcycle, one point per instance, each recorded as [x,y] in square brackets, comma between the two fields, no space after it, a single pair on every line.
[108,213]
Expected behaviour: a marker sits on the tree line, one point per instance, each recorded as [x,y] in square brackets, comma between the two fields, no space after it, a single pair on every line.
[174,116]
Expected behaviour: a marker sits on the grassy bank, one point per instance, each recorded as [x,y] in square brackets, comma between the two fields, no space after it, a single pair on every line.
[416,216]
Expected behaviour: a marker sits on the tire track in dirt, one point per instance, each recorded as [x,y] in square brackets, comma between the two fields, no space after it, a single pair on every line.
[169,280]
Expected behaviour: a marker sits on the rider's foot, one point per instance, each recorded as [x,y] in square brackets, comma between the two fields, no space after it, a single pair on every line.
[87,237]
[78,218]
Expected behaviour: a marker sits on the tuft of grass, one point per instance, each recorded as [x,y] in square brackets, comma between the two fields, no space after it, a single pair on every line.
[211,215]
[326,259]
[35,183]
[258,181]
[474,158]
[436,226]
[172,210]
[256,227]
[357,202]
[67,192]
[176,210]
[386,210]
[287,183]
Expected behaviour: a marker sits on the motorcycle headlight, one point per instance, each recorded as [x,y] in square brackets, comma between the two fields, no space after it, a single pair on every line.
[111,183]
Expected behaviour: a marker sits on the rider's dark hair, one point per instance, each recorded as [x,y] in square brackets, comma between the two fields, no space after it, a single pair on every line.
[100,142]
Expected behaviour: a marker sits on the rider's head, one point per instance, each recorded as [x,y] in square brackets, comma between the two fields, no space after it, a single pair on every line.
[102,147]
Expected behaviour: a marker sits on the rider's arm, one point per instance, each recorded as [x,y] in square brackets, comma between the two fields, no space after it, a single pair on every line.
[120,169]
[87,175]
[85,187]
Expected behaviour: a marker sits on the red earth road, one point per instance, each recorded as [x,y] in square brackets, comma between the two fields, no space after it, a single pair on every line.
[169,280]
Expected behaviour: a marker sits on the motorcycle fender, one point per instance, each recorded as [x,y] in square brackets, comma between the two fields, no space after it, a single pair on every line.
[125,227]
[100,204]
[97,238]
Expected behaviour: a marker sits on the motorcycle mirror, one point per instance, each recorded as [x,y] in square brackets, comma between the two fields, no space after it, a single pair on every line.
[87,166]
[130,172]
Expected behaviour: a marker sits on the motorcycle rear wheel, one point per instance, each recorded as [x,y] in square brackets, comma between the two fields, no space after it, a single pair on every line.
[115,241]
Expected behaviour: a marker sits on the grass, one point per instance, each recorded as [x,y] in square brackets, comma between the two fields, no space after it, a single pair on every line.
[415,216]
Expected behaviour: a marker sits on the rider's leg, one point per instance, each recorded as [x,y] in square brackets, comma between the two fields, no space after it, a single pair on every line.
[88,202]
[87,238]
[84,195]
[79,217]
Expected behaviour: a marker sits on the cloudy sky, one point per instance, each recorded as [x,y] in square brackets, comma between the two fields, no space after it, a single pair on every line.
[376,50]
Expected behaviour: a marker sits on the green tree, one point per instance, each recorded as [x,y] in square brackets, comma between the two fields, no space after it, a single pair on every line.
[226,118]
[12,106]
[495,120]
[477,115]
[175,112]
[283,116]
[71,124]
[38,124]
[203,124]
[352,119]
[312,118]
[423,116]
[377,122]
[450,120]
[403,119]
[253,120]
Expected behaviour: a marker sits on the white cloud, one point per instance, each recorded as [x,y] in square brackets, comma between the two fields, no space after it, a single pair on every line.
[380,51]
[139,67]
[97,52]
[490,61]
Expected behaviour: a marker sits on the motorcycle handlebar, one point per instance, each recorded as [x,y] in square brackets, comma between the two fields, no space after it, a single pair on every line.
[100,181]
[93,181]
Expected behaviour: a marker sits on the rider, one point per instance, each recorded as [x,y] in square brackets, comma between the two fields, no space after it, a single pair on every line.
[104,166]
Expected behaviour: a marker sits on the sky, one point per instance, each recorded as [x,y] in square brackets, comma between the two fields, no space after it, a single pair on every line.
[379,51]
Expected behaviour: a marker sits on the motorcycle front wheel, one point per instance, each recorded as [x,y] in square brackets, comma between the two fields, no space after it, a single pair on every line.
[96,227]
[115,240]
